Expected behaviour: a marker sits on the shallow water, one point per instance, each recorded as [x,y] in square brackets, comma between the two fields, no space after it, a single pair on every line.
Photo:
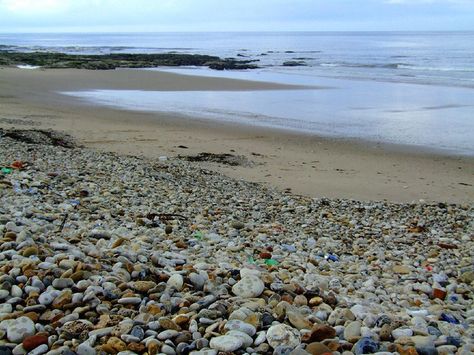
[428,116]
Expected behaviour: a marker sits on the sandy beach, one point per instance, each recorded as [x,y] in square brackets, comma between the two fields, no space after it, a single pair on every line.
[306,165]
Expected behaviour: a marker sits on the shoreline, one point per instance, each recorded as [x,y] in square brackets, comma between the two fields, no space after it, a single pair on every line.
[308,165]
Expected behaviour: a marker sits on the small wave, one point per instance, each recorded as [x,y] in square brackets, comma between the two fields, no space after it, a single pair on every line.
[364,65]
[28,67]
[446,69]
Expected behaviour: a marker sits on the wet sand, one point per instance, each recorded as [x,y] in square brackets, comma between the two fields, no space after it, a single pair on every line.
[308,165]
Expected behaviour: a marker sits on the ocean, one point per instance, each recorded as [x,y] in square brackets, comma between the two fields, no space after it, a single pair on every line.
[414,88]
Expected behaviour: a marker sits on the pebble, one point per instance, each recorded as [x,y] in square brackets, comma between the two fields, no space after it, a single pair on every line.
[226,343]
[18,329]
[249,287]
[166,257]
[240,326]
[282,334]
[176,281]
[365,346]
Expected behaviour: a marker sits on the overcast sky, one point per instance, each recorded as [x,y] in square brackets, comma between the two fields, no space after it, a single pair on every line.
[234,15]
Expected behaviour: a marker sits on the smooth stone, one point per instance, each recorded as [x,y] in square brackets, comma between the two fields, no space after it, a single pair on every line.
[365,346]
[241,326]
[204,352]
[16,291]
[225,343]
[197,281]
[282,334]
[130,300]
[85,349]
[18,350]
[176,281]
[167,334]
[32,342]
[4,294]
[248,287]
[18,329]
[319,332]
[401,332]
[5,350]
[39,350]
[352,331]
[168,350]
[317,349]
[282,350]
[298,320]
[62,283]
[6,308]
[246,339]
[261,337]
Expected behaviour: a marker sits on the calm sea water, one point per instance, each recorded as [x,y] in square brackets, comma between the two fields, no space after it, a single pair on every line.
[407,87]
[419,57]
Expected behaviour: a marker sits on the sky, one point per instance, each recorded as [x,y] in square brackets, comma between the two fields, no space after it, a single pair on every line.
[234,15]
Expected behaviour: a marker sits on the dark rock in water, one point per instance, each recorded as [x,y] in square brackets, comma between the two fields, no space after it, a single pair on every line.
[294,63]
[118,60]
[365,346]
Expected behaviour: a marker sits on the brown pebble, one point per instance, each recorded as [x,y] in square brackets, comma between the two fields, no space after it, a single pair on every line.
[136,347]
[319,332]
[439,293]
[32,342]
[318,349]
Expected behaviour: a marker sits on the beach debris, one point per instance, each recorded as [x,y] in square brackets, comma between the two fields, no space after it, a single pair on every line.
[34,136]
[224,158]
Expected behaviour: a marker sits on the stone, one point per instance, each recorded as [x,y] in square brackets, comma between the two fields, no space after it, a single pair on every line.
[319,332]
[401,269]
[282,334]
[176,281]
[246,339]
[241,326]
[248,287]
[143,286]
[226,343]
[298,320]
[365,346]
[197,281]
[62,283]
[43,348]
[467,277]
[33,341]
[401,332]
[117,344]
[317,349]
[85,349]
[18,329]
[352,331]
[5,350]
[385,333]
[29,251]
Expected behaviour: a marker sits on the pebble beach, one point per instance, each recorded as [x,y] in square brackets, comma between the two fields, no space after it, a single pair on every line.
[102,253]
